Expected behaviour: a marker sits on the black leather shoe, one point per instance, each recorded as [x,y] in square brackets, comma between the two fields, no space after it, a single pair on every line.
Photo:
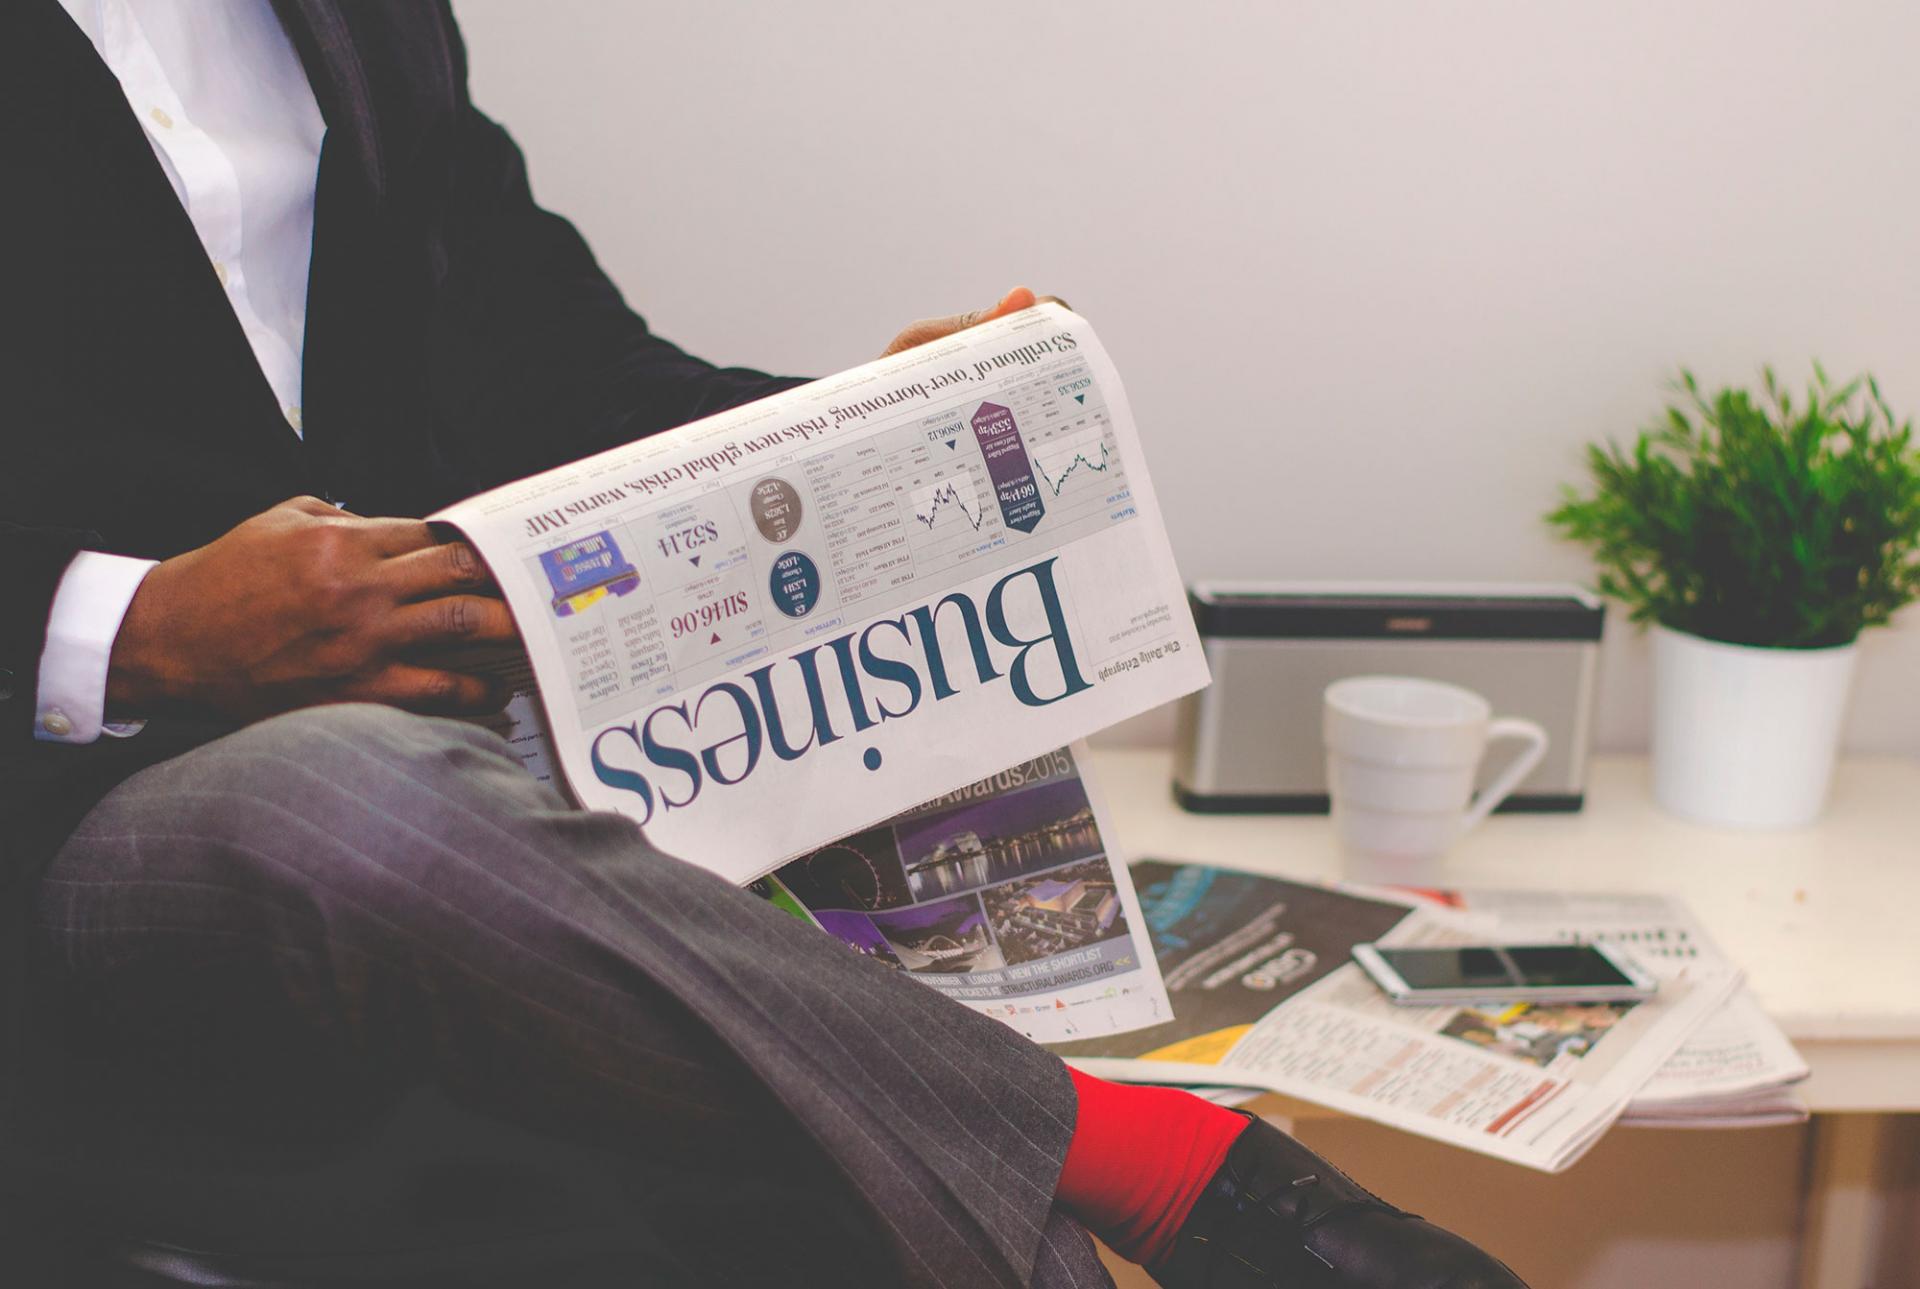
[1278,1216]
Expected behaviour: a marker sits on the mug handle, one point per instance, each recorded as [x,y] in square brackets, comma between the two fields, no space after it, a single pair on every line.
[1507,727]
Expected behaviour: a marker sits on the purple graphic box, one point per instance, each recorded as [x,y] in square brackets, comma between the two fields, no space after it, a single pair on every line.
[1008,467]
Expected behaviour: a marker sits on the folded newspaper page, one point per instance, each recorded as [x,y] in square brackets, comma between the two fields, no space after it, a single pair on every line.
[1006,895]
[1264,995]
[1736,1069]
[769,629]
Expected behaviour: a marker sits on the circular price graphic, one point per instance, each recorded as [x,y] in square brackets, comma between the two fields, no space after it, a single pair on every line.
[776,509]
[795,584]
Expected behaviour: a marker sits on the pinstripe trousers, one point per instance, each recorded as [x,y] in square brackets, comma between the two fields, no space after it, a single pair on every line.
[248,954]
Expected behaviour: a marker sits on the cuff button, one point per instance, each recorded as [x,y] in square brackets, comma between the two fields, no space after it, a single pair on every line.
[56,724]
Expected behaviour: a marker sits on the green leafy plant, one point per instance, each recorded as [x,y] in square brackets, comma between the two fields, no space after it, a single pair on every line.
[1758,521]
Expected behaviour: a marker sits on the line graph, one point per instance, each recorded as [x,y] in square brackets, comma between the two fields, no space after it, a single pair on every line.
[961,494]
[945,504]
[936,501]
[1060,459]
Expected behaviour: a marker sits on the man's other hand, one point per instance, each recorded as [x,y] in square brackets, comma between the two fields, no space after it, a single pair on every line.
[306,604]
[927,329]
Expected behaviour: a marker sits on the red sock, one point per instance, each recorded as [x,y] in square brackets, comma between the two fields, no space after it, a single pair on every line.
[1138,1161]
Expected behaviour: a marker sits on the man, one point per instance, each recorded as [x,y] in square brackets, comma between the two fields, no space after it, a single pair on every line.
[265,897]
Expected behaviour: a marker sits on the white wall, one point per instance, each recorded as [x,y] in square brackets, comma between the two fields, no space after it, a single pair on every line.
[1426,250]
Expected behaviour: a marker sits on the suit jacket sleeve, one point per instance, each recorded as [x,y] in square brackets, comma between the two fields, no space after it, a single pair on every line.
[31,563]
[534,356]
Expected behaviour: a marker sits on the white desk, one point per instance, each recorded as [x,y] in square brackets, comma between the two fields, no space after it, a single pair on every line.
[1822,918]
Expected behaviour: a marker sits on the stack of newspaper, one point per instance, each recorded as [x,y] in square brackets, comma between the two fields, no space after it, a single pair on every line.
[1736,1070]
[1264,995]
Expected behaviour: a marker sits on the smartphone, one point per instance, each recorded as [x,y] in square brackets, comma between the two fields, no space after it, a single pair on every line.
[1499,973]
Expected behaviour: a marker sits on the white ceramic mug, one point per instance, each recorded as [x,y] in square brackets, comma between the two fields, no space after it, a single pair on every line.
[1402,754]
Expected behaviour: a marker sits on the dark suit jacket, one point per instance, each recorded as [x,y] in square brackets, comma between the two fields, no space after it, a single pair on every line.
[458,336]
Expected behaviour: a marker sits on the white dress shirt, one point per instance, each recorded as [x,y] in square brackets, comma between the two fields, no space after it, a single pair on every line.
[224,101]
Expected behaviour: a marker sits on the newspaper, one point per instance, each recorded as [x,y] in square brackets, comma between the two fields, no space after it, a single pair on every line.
[775,627]
[1006,895]
[1264,995]
[1737,1069]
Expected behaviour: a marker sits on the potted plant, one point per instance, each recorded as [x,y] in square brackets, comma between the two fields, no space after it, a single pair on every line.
[1759,536]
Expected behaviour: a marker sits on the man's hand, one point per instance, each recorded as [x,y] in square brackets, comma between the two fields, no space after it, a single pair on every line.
[302,605]
[928,329]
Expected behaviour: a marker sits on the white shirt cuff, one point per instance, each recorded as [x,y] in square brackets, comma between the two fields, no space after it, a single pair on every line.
[70,705]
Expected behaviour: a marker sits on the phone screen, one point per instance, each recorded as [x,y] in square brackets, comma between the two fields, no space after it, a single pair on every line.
[1546,966]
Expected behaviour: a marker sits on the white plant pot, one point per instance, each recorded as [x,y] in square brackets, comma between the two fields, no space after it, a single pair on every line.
[1745,737]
